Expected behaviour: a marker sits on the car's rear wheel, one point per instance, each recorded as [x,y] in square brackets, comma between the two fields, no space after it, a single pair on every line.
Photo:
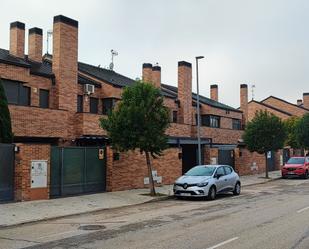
[237,189]
[212,193]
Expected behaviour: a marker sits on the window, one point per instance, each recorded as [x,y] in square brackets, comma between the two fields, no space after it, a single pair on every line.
[174,117]
[236,124]
[220,171]
[80,102]
[17,93]
[209,120]
[94,105]
[228,170]
[44,98]
[108,105]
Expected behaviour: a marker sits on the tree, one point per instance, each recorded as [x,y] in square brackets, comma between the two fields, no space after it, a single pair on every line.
[302,132]
[291,126]
[139,122]
[266,132]
[6,135]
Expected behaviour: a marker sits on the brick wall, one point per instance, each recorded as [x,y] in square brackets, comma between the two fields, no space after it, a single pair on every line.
[27,153]
[281,105]
[253,107]
[123,175]
[38,122]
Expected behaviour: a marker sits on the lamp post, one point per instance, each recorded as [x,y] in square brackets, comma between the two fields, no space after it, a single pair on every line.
[198,112]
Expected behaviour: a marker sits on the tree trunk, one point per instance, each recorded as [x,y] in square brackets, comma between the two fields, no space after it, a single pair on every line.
[151,182]
[266,166]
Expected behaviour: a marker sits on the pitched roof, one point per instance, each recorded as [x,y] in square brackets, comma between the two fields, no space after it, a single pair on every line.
[271,107]
[286,102]
[203,99]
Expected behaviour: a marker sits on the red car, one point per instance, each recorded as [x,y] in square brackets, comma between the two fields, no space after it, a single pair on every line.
[296,166]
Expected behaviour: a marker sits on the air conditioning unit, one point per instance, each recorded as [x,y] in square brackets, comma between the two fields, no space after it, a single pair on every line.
[89,89]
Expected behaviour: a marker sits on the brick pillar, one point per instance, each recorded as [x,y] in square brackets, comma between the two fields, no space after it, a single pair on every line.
[214,92]
[17,39]
[244,101]
[147,72]
[35,44]
[65,55]
[109,169]
[185,92]
[23,159]
[156,76]
[65,46]
[306,100]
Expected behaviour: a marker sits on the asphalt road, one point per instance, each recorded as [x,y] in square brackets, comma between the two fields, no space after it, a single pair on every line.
[271,215]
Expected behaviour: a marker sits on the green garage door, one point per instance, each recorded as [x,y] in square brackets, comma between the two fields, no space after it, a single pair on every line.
[77,170]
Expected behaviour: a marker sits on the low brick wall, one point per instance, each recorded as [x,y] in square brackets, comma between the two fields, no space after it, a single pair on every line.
[23,158]
[130,170]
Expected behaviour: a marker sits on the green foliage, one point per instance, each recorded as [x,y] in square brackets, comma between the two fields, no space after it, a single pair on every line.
[302,132]
[6,135]
[266,132]
[139,121]
[290,126]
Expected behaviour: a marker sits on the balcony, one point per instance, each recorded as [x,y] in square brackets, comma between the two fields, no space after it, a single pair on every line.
[218,135]
[30,121]
[179,130]
[88,124]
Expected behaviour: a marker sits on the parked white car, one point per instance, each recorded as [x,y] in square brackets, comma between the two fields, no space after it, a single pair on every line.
[207,181]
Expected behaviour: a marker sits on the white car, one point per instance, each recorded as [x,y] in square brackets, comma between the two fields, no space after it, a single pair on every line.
[207,181]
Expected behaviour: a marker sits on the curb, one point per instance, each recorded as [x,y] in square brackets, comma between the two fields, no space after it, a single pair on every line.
[266,181]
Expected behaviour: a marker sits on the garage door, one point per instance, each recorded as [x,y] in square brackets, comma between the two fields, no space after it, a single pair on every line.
[77,170]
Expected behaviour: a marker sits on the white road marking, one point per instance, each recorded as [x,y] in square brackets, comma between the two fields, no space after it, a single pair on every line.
[302,210]
[223,243]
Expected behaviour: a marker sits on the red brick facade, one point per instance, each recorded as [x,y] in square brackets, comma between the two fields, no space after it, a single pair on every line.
[65,124]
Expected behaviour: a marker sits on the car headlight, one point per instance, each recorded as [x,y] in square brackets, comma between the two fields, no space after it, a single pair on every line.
[202,184]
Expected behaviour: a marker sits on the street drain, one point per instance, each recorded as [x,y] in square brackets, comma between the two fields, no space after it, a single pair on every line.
[91,227]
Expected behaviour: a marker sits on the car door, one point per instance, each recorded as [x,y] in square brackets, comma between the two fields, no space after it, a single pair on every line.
[231,179]
[221,182]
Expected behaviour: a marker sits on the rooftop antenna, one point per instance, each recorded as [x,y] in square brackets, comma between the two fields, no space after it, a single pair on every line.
[49,35]
[252,91]
[114,53]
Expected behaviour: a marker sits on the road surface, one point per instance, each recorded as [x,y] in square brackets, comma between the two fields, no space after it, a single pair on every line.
[272,215]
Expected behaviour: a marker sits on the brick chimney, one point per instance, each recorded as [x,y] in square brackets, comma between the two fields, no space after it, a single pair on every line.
[244,101]
[156,76]
[35,44]
[214,92]
[299,102]
[65,46]
[185,91]
[306,100]
[17,39]
[147,72]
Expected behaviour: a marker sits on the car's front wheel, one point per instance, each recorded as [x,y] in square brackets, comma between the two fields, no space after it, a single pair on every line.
[212,193]
[237,189]
[306,175]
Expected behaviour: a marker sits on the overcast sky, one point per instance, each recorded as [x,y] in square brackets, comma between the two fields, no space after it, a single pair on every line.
[260,42]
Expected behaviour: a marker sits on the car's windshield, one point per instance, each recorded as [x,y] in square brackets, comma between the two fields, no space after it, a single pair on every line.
[296,160]
[201,171]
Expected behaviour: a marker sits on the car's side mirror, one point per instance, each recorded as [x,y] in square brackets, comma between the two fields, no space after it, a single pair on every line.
[218,175]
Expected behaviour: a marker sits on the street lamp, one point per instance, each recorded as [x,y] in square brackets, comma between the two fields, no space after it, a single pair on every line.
[198,112]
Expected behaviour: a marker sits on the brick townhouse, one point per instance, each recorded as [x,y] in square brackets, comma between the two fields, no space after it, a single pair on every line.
[56,102]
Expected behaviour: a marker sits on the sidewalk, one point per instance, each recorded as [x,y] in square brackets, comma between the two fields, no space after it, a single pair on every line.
[31,211]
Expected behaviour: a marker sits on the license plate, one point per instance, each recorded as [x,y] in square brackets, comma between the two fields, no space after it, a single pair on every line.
[185,194]
[290,173]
